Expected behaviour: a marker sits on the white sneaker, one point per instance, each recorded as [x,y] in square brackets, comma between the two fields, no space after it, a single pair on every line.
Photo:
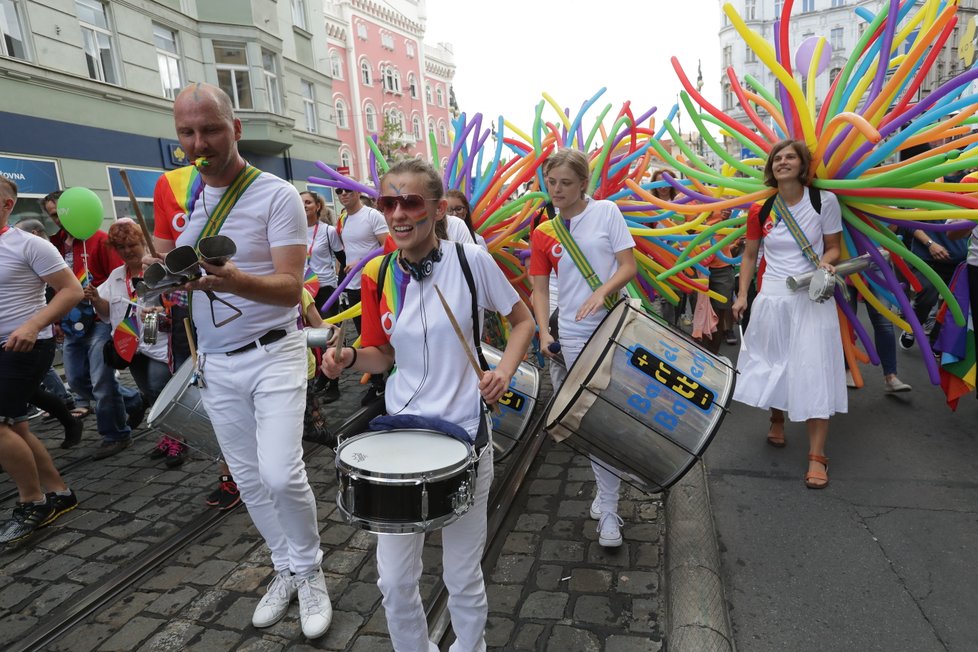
[895,385]
[273,605]
[315,611]
[609,530]
[595,510]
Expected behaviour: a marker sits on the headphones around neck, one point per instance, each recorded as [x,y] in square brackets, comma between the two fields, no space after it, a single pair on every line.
[423,268]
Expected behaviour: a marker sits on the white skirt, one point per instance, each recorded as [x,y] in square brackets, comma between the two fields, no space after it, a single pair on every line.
[791,355]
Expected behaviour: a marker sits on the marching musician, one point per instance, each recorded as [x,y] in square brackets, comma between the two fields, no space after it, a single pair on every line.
[405,324]
[598,228]
[251,373]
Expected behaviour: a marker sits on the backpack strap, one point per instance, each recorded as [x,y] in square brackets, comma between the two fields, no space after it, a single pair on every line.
[382,274]
[470,281]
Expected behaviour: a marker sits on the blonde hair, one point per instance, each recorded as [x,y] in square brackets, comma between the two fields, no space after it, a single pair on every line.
[573,159]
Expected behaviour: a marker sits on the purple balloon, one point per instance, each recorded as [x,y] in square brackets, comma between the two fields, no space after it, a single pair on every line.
[805,52]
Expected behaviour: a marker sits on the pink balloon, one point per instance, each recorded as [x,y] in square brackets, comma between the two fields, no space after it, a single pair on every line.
[805,52]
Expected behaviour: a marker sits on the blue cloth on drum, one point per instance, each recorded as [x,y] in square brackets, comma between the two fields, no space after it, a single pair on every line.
[418,422]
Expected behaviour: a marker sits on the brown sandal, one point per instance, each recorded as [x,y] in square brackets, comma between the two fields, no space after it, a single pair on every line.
[777,442]
[821,476]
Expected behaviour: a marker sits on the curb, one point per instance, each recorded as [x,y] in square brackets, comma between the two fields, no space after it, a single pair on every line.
[697,615]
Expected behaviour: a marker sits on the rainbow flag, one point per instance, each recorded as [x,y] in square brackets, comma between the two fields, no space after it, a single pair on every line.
[956,344]
[311,281]
[395,286]
[125,337]
[82,276]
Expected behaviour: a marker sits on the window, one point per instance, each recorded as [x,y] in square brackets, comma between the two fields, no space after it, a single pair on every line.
[836,39]
[778,4]
[299,13]
[269,65]
[370,118]
[97,40]
[335,65]
[346,160]
[728,97]
[309,106]
[750,9]
[232,73]
[838,3]
[416,127]
[427,93]
[388,72]
[727,56]
[12,43]
[749,55]
[833,74]
[442,133]
[168,59]
[431,126]
[365,76]
[340,107]
[807,6]
[409,47]
[362,30]
[387,41]
[413,85]
[440,94]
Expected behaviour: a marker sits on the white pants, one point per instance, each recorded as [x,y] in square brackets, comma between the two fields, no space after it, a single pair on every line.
[608,483]
[399,567]
[256,401]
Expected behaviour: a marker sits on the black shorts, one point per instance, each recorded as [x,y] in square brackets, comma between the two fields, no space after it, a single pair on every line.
[20,376]
[722,282]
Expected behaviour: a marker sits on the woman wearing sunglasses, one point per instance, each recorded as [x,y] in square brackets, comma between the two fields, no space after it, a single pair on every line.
[406,325]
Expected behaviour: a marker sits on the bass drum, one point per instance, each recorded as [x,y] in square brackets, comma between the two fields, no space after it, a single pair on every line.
[404,481]
[643,399]
[179,413]
[512,420]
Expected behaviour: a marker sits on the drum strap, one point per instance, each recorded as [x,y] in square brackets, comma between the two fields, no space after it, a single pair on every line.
[784,214]
[215,220]
[567,241]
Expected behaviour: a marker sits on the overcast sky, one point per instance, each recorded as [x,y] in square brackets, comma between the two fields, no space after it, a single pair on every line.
[507,56]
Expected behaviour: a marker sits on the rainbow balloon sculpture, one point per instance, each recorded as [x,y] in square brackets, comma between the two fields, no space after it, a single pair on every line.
[868,116]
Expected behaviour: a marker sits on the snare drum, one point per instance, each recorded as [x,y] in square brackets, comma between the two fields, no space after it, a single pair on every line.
[512,419]
[404,481]
[643,399]
[179,412]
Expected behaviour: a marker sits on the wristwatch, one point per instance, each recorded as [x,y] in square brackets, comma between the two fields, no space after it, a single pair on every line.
[929,243]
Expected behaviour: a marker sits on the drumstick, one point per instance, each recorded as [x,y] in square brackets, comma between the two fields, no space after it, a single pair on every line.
[139,214]
[462,340]
[340,340]
[190,339]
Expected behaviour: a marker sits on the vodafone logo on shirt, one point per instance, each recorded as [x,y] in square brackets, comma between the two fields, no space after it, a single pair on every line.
[179,223]
[557,251]
[387,323]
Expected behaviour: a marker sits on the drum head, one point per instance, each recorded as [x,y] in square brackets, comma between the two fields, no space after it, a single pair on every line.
[400,453]
[171,392]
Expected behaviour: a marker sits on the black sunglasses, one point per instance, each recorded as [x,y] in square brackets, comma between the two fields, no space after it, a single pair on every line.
[409,203]
[342,191]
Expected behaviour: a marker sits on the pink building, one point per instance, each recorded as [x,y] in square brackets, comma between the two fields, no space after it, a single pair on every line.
[381,67]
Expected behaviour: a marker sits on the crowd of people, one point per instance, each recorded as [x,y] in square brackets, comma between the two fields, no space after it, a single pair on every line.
[261,391]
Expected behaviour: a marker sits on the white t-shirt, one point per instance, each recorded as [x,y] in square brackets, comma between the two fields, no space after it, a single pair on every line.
[457,230]
[432,376]
[323,260]
[269,214]
[114,291]
[360,232]
[783,255]
[600,232]
[24,259]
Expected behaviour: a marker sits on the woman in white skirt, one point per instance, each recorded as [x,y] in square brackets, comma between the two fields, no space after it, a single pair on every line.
[792,356]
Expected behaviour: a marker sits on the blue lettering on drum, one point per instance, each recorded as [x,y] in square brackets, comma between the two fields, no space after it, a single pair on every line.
[669,376]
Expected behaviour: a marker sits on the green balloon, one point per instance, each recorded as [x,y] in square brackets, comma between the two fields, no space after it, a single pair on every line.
[80,212]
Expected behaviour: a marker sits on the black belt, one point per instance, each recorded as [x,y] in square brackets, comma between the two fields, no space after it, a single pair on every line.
[264,340]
